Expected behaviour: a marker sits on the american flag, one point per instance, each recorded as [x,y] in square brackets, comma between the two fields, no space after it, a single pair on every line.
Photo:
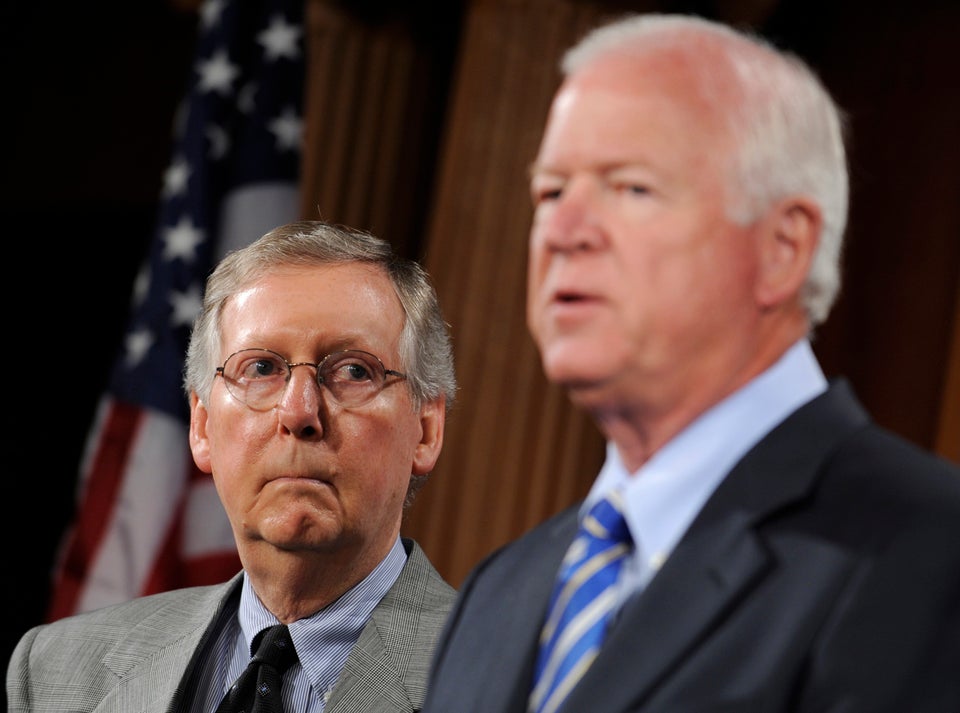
[147,520]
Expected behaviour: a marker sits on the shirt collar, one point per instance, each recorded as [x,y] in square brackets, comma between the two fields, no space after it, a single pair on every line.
[324,640]
[664,495]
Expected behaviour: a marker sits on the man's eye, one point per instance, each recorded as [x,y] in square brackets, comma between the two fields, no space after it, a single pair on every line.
[261,368]
[544,191]
[637,189]
[354,372]
[545,194]
[350,371]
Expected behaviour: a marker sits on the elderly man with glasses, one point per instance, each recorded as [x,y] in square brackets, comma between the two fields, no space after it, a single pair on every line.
[319,374]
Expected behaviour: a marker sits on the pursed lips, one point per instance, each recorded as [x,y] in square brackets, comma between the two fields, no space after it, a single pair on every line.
[307,478]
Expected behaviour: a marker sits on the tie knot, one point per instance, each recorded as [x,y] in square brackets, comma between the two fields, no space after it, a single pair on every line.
[605,520]
[274,647]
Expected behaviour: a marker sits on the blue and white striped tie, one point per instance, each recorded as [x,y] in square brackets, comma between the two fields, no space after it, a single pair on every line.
[583,602]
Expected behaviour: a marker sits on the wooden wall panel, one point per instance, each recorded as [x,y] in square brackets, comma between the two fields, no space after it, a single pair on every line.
[374,104]
[948,428]
[515,450]
[891,330]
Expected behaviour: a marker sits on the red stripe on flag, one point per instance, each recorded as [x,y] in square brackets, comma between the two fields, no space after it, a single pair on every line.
[95,506]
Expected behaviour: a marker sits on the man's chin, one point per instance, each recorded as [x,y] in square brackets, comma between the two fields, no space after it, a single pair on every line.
[295,529]
[586,386]
[593,395]
[572,372]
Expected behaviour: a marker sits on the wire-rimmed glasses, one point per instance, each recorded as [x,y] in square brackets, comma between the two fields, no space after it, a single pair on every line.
[258,377]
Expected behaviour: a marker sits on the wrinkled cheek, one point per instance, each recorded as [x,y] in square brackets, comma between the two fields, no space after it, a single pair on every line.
[384,490]
[235,503]
[235,473]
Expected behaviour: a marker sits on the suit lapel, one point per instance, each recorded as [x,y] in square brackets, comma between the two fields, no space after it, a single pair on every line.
[784,466]
[173,639]
[719,560]
[387,668]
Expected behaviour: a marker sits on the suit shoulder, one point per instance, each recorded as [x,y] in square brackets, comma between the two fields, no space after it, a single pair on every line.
[114,620]
[894,466]
[421,579]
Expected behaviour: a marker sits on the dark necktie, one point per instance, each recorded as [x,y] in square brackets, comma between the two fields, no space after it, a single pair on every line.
[258,688]
[582,604]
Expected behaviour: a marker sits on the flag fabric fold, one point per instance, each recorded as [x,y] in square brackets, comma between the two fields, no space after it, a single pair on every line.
[146,519]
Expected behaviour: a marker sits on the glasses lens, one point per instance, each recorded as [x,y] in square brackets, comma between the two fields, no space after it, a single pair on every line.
[256,377]
[352,377]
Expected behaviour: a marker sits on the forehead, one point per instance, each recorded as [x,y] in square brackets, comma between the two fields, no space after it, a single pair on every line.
[347,302]
[623,101]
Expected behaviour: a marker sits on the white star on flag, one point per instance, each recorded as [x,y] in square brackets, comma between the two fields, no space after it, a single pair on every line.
[186,306]
[175,178]
[182,240]
[288,128]
[280,39]
[217,74]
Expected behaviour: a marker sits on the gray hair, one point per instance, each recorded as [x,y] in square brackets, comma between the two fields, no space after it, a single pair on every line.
[426,353]
[787,130]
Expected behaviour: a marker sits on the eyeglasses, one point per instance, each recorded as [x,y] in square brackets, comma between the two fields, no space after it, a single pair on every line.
[258,377]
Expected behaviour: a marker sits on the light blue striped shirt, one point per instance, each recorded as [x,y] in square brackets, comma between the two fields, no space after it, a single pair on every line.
[664,495]
[323,640]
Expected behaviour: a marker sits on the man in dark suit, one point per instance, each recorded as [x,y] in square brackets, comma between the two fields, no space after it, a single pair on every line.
[319,373]
[777,550]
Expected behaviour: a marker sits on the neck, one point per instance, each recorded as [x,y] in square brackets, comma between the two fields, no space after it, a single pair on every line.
[296,585]
[640,419]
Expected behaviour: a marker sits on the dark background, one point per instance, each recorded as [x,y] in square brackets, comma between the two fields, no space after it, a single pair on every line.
[91,93]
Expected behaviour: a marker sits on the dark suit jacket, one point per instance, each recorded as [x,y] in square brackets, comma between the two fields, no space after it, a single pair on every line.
[822,575]
[136,656]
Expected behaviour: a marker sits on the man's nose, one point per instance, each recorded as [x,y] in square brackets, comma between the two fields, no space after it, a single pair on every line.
[301,402]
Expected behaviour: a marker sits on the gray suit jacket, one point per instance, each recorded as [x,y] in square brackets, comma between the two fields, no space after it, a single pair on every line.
[136,656]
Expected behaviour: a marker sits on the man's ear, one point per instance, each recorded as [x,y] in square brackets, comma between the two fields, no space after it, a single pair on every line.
[199,443]
[432,419]
[789,241]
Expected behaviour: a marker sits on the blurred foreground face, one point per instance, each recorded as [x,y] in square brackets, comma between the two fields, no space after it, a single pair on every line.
[637,279]
[309,474]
